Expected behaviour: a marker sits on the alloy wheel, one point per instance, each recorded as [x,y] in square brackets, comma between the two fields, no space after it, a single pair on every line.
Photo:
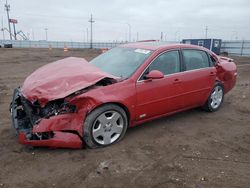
[216,97]
[107,127]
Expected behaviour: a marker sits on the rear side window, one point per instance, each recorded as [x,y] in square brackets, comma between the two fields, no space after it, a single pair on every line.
[195,59]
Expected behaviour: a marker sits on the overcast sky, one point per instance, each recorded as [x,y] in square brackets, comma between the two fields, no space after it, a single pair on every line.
[177,19]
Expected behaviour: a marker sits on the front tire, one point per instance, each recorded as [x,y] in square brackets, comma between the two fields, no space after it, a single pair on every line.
[105,126]
[215,99]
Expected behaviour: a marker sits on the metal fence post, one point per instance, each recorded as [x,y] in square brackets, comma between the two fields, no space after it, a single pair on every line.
[242,47]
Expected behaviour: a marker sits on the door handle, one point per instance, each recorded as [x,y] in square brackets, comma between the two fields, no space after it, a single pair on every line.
[177,81]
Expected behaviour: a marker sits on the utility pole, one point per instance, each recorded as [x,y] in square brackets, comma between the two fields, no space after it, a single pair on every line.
[3,30]
[33,35]
[46,33]
[28,36]
[7,8]
[14,22]
[175,35]
[161,36]
[91,31]
[206,29]
[235,34]
[129,32]
[137,36]
[83,39]
[87,32]
[14,27]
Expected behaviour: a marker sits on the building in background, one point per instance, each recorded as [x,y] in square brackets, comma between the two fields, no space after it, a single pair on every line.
[212,44]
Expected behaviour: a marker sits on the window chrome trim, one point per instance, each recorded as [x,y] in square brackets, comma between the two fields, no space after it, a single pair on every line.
[197,69]
[167,75]
[181,56]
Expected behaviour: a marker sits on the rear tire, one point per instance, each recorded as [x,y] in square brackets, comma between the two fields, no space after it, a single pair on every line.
[105,126]
[215,98]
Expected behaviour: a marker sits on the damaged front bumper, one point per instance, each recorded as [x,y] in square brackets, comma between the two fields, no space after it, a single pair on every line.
[60,131]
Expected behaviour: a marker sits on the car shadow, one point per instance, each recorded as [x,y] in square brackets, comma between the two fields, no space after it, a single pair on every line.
[154,124]
[164,120]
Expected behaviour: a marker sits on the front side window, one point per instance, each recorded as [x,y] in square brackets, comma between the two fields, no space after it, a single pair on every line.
[195,59]
[167,63]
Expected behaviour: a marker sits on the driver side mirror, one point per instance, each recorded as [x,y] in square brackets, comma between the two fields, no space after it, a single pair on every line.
[154,74]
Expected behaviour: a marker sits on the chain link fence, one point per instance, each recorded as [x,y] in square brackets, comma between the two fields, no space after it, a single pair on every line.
[57,44]
[237,47]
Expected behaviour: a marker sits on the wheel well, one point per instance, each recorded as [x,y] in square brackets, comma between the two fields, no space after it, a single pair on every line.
[118,104]
[219,82]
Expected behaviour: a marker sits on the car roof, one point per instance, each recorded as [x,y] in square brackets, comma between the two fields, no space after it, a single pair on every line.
[159,45]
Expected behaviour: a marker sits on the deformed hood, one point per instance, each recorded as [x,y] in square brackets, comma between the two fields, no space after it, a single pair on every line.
[61,78]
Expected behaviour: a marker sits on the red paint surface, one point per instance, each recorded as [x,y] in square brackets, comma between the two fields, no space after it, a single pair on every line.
[63,122]
[143,100]
[60,79]
[60,140]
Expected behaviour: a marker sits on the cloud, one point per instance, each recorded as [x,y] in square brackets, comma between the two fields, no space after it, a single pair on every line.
[68,20]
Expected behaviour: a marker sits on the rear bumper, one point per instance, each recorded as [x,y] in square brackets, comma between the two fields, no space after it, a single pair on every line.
[43,132]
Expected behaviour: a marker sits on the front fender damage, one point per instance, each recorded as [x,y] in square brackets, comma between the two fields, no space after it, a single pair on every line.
[50,125]
[59,140]
[35,128]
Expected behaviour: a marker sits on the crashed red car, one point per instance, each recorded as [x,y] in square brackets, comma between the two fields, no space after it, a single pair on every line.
[74,103]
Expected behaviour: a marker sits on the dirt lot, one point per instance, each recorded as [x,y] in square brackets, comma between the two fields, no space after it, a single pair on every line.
[189,149]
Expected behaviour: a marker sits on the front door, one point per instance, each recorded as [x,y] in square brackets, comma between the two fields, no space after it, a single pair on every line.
[160,96]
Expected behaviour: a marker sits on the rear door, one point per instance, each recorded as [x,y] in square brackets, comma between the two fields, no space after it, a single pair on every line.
[199,77]
[160,96]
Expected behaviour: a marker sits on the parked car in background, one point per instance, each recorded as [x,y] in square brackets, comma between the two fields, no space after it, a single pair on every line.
[72,102]
[5,45]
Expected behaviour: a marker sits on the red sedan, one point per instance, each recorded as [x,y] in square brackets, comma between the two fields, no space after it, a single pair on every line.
[74,103]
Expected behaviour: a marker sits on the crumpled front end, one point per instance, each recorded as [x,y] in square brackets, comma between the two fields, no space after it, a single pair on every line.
[58,124]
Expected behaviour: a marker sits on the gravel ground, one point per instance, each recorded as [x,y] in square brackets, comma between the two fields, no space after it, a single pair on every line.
[189,149]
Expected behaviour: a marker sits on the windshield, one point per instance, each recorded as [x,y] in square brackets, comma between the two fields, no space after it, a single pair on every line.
[121,62]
